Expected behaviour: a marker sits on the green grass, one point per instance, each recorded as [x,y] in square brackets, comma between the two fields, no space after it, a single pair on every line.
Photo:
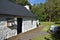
[47,25]
[43,37]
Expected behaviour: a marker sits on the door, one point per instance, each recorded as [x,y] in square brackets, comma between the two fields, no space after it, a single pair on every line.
[19,25]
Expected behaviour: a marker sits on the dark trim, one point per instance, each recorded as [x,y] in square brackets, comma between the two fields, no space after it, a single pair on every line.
[18,16]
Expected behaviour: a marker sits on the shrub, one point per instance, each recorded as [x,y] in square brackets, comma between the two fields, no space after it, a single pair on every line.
[57,22]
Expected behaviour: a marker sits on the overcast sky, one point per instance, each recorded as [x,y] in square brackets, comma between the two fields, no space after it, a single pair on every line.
[36,1]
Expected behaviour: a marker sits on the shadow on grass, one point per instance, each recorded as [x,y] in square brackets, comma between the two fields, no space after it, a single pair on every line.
[55,36]
[46,38]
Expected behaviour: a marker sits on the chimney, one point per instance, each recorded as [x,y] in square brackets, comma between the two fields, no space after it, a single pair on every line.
[27,7]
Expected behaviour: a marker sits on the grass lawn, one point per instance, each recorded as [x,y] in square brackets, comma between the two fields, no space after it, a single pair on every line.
[46,26]
[43,37]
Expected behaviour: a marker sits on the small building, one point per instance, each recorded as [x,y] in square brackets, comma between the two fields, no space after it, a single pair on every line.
[15,19]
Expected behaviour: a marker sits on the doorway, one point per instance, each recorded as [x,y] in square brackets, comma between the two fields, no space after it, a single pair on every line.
[19,25]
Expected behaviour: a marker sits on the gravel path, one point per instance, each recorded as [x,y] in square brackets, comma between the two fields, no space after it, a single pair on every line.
[29,35]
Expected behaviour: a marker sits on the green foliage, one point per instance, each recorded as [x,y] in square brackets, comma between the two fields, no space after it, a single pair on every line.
[38,11]
[55,36]
[49,11]
[52,8]
[57,22]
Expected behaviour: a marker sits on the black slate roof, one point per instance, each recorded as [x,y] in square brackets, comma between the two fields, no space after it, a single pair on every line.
[9,8]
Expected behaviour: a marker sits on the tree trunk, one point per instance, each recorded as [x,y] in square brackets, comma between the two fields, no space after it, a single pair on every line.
[49,18]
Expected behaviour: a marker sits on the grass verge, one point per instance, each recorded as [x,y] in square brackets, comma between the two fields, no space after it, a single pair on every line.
[43,37]
[47,25]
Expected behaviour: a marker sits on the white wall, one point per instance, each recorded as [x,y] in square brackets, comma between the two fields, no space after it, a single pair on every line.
[6,32]
[28,24]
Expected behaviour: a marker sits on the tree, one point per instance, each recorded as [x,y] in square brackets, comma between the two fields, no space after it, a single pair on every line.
[38,11]
[49,11]
[52,8]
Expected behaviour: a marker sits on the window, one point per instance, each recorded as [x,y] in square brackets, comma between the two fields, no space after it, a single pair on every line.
[10,22]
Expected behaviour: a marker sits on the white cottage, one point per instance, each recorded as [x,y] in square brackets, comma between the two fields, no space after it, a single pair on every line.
[15,19]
